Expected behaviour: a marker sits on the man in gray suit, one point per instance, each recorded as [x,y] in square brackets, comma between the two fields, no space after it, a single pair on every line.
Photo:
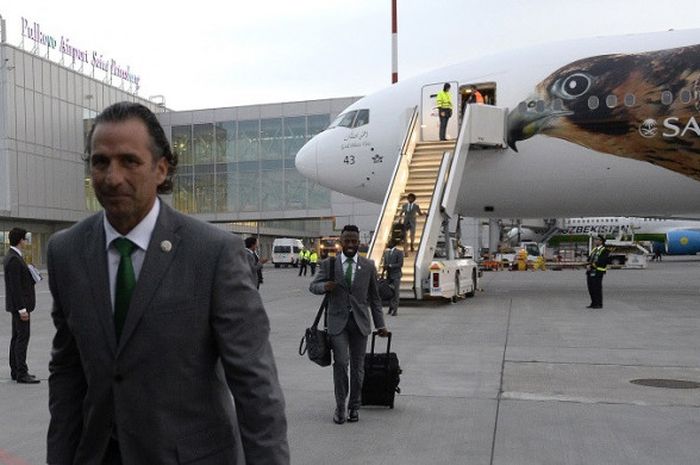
[161,353]
[352,294]
[410,211]
[393,262]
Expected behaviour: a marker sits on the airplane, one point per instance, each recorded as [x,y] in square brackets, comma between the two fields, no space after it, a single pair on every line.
[594,127]
[679,237]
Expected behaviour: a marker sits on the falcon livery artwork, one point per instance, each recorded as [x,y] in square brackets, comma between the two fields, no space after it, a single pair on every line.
[643,106]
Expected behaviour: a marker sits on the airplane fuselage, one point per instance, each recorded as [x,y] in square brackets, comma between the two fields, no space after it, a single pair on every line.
[636,154]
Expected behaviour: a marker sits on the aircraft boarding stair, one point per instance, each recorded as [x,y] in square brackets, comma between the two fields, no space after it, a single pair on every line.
[433,174]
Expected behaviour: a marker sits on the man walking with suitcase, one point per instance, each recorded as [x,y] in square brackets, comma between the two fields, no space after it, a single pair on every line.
[353,295]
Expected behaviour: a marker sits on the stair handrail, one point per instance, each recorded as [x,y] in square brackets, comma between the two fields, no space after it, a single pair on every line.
[397,185]
[431,228]
[449,199]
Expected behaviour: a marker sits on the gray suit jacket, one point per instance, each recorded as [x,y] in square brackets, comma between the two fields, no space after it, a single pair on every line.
[361,298]
[410,214]
[195,342]
[393,262]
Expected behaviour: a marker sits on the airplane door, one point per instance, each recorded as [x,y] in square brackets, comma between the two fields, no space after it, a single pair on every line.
[430,121]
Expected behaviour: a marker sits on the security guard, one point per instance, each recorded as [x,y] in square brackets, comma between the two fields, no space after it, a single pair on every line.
[313,261]
[303,261]
[444,104]
[597,266]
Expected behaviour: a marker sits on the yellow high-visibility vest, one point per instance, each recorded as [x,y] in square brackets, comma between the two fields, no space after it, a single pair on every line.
[444,100]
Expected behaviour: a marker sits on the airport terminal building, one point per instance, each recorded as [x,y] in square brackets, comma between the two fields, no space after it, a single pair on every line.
[236,164]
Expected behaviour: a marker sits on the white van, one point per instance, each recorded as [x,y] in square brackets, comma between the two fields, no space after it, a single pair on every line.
[285,251]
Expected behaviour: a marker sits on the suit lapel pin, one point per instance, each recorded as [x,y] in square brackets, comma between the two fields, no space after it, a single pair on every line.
[166,246]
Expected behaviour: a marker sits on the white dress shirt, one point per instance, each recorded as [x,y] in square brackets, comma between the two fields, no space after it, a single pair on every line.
[140,235]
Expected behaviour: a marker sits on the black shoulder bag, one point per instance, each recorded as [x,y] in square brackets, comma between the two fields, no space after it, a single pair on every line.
[315,342]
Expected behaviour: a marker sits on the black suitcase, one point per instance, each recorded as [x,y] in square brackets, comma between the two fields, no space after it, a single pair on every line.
[398,232]
[381,382]
[386,290]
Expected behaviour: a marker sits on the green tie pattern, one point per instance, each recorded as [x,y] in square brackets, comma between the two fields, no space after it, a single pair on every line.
[126,280]
[348,272]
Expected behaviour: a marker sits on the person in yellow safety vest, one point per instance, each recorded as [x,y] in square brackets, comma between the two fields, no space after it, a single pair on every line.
[597,266]
[444,104]
[540,263]
[313,261]
[303,261]
[522,260]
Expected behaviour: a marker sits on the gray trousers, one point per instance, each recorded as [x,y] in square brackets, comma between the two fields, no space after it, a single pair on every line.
[394,302]
[348,346]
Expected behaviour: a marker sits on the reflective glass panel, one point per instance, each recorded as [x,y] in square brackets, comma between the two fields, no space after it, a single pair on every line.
[226,192]
[182,193]
[225,134]
[271,138]
[204,193]
[203,143]
[316,124]
[294,135]
[295,190]
[249,189]
[272,191]
[247,140]
[182,143]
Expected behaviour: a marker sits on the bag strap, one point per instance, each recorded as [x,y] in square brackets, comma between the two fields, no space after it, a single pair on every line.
[326,300]
[323,306]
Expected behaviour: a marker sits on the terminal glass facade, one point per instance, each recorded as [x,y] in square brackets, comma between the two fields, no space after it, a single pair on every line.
[246,165]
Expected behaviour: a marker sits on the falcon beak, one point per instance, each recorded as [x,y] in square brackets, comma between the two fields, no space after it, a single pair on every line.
[526,121]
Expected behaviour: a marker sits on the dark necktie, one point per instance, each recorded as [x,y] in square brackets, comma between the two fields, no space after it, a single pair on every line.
[348,273]
[126,280]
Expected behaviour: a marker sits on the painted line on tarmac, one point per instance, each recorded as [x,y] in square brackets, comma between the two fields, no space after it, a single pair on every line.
[8,459]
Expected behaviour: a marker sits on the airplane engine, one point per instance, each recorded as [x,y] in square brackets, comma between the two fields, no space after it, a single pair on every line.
[683,242]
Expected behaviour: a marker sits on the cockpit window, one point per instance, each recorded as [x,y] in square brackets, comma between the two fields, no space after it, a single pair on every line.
[346,121]
[361,119]
[351,119]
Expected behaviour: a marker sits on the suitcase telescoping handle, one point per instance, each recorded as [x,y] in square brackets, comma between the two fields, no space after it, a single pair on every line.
[388,341]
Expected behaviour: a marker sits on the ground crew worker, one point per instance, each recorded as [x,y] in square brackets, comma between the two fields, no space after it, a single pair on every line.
[522,259]
[476,96]
[597,266]
[313,261]
[303,261]
[444,104]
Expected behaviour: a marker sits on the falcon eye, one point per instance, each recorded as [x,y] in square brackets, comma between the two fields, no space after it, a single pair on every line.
[572,86]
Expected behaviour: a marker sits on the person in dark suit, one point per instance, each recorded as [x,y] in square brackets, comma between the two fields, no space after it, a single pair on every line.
[256,263]
[353,294]
[161,353]
[393,262]
[597,266]
[409,212]
[20,301]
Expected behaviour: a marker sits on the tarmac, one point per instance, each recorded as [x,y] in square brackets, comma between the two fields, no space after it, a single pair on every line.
[521,374]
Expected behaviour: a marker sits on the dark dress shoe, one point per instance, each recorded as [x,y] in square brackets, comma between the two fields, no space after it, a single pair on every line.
[27,379]
[339,416]
[353,415]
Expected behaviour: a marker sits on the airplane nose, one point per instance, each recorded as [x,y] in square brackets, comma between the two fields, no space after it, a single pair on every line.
[306,161]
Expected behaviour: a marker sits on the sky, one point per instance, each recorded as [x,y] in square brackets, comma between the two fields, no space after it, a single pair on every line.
[210,53]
